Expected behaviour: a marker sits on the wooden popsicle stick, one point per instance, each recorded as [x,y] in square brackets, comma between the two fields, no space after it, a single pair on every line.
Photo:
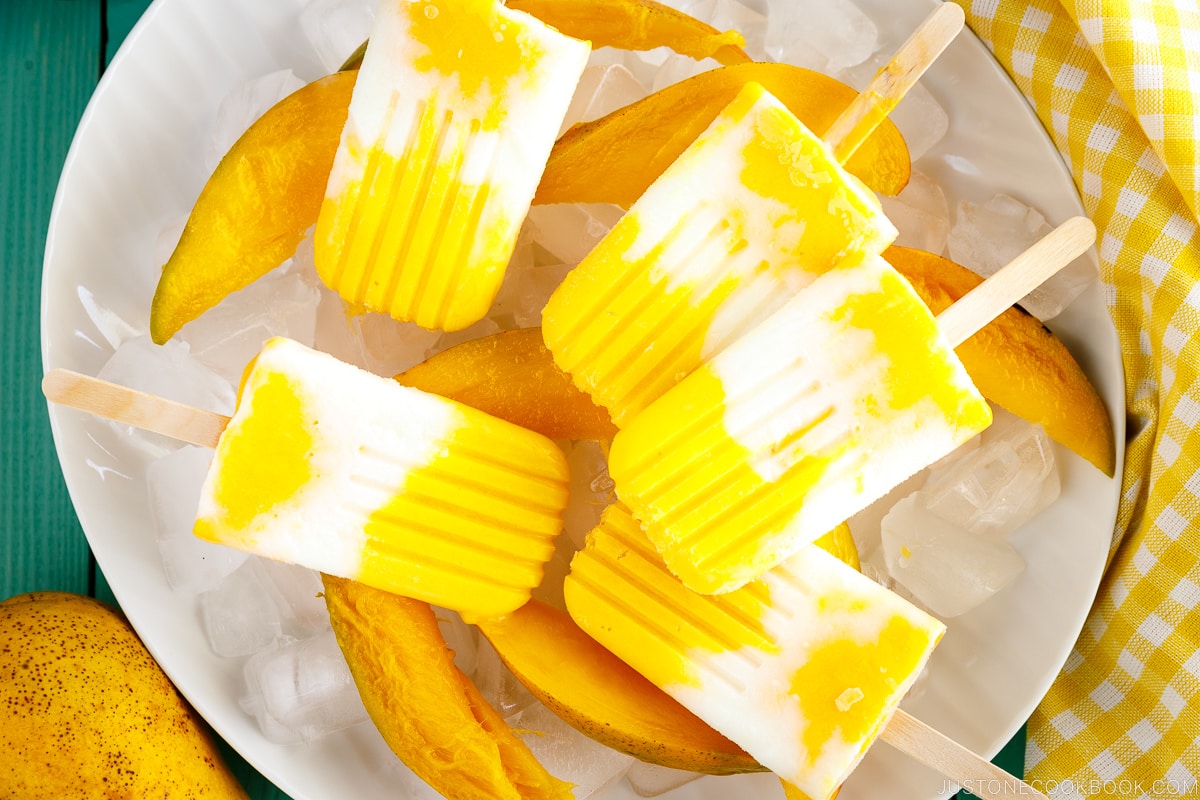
[197,426]
[971,771]
[1016,279]
[893,81]
[122,404]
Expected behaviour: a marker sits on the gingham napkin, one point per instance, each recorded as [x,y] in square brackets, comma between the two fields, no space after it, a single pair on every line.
[1117,86]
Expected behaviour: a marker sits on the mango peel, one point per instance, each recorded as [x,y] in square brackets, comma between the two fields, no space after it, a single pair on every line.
[85,711]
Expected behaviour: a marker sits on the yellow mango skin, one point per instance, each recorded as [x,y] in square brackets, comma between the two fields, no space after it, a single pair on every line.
[637,25]
[615,158]
[511,375]
[256,206]
[86,712]
[1017,363]
[429,712]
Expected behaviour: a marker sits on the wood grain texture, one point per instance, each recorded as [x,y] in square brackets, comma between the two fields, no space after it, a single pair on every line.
[49,57]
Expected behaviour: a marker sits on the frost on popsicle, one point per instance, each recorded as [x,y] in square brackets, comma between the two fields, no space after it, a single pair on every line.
[333,468]
[452,118]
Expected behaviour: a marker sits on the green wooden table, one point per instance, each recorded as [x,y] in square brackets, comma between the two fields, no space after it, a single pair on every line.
[52,53]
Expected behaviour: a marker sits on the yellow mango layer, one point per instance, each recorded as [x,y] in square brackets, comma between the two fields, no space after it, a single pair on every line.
[801,668]
[451,122]
[349,473]
[839,396]
[751,213]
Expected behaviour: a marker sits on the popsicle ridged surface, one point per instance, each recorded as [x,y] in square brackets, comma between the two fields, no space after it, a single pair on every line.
[748,215]
[839,396]
[802,668]
[328,466]
[451,122]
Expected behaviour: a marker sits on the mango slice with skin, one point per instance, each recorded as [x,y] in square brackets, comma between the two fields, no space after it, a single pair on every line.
[267,190]
[614,158]
[253,212]
[1017,363]
[637,25]
[429,712]
[604,698]
[626,25]
[512,375]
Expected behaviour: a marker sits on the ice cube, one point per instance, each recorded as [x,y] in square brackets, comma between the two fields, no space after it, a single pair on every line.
[602,89]
[335,28]
[297,593]
[920,213]
[747,19]
[168,238]
[651,780]
[302,690]
[498,686]
[242,107]
[948,569]
[169,371]
[986,237]
[226,337]
[567,754]
[485,327]
[829,36]
[173,485]
[591,490]
[922,120]
[569,231]
[240,615]
[679,68]
[1001,485]
[460,637]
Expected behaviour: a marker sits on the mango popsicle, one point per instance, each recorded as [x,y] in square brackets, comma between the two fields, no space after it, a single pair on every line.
[331,467]
[819,411]
[802,668]
[451,122]
[748,215]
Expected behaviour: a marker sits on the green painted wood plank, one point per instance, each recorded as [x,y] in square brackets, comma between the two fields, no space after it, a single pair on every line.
[49,57]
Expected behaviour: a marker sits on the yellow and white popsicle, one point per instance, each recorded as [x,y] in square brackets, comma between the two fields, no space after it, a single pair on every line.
[822,409]
[453,116]
[748,215]
[331,467]
[802,668]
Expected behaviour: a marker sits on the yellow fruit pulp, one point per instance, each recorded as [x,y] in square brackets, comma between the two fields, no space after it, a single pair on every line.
[511,375]
[451,121]
[801,668]
[751,213]
[429,712]
[838,397]
[342,471]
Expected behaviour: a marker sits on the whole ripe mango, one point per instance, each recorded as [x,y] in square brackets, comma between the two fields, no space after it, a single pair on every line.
[86,712]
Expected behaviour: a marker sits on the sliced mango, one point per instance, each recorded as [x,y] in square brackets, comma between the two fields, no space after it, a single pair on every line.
[511,375]
[600,695]
[603,697]
[1017,363]
[637,25]
[256,206]
[614,158]
[626,25]
[427,710]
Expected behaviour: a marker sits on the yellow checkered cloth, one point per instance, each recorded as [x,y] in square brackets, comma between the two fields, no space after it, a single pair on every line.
[1117,86]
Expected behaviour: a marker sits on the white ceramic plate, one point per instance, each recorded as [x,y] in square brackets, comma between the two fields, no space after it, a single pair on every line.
[132,167]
